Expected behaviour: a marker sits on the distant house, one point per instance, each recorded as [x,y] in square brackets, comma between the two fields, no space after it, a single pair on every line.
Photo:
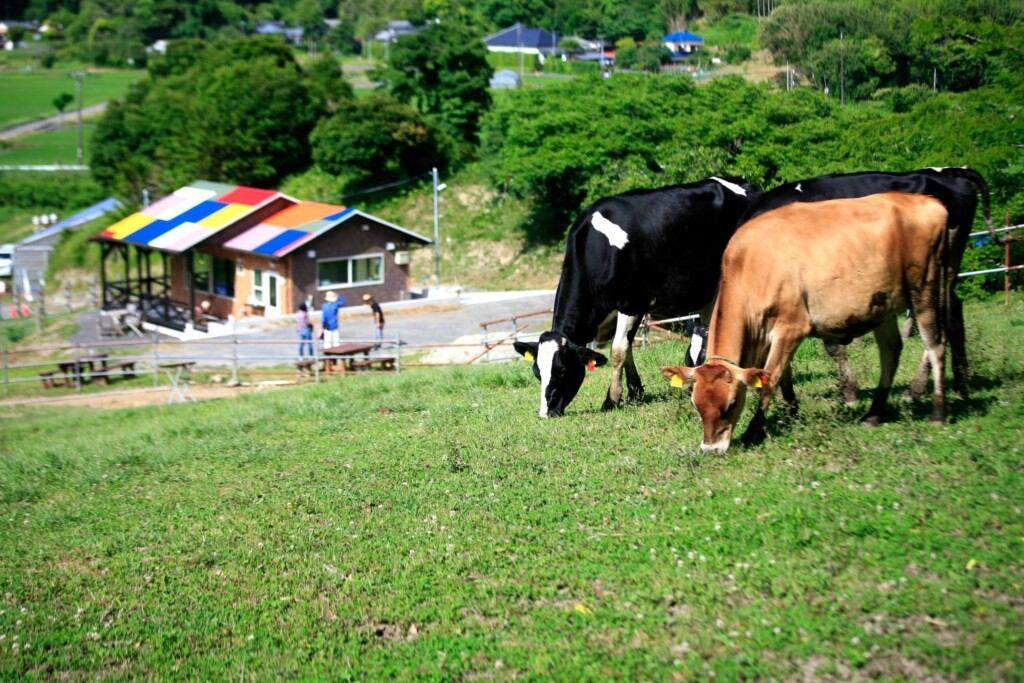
[31,256]
[396,29]
[524,40]
[683,43]
[249,252]
[505,79]
[275,28]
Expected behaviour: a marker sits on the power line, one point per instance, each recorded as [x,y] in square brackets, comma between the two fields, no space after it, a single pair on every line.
[378,188]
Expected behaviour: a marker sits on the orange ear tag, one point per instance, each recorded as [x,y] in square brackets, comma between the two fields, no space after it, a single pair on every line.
[528,357]
[676,381]
[591,365]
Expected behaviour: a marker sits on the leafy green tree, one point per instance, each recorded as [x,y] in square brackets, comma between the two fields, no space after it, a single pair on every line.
[326,74]
[626,53]
[374,140]
[244,120]
[443,72]
[61,101]
[309,15]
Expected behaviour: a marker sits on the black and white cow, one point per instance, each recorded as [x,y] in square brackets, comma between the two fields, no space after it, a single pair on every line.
[955,187]
[632,253]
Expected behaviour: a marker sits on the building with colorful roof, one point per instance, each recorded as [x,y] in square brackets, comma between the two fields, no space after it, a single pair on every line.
[248,252]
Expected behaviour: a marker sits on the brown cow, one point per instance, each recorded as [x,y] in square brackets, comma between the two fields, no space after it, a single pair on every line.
[834,270]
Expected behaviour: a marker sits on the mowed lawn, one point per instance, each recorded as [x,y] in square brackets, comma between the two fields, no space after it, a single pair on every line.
[29,95]
[429,526]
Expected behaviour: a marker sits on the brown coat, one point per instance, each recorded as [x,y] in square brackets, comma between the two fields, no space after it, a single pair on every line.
[834,270]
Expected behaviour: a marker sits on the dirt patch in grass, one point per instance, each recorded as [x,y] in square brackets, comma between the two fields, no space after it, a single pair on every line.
[113,400]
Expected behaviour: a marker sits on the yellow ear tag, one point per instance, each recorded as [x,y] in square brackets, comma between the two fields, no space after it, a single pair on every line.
[676,381]
[757,382]
[528,357]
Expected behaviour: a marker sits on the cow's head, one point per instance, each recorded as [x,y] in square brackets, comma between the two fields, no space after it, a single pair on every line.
[560,366]
[719,392]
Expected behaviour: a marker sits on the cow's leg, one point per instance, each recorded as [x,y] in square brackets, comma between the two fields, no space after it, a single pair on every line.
[780,356]
[958,345]
[957,334]
[622,357]
[847,382]
[935,352]
[890,344]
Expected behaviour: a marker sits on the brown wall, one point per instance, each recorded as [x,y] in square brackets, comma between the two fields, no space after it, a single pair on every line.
[349,239]
[298,272]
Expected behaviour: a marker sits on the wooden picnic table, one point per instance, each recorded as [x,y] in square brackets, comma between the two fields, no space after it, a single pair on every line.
[77,370]
[344,354]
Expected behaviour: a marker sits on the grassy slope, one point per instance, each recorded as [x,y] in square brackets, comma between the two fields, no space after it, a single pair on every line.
[428,525]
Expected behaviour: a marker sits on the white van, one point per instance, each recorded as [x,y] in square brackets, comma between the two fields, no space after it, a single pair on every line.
[6,259]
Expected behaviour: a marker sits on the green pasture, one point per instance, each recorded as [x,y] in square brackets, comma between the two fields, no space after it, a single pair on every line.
[29,95]
[58,144]
[428,525]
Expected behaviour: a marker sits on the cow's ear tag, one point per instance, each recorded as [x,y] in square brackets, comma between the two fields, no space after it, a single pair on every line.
[591,365]
[756,382]
[763,378]
[528,357]
[676,381]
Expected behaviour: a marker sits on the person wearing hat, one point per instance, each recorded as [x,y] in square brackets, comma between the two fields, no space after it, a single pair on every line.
[330,318]
[378,318]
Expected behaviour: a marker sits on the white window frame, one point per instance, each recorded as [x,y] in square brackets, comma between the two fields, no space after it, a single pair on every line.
[351,281]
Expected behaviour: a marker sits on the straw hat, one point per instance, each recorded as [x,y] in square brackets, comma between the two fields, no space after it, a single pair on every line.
[367,297]
[331,296]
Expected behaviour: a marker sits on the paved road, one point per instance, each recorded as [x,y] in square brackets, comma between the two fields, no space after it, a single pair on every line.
[50,122]
[425,322]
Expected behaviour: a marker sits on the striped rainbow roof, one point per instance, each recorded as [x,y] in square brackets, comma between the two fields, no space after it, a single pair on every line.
[190,215]
[289,229]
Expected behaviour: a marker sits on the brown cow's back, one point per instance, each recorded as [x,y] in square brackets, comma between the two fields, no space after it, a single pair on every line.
[832,269]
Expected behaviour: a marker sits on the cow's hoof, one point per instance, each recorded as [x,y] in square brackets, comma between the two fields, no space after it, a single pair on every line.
[870,421]
[609,404]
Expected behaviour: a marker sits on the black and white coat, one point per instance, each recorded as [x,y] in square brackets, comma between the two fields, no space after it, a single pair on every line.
[625,256]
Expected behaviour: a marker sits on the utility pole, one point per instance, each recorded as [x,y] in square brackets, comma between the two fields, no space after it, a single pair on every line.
[437,233]
[79,76]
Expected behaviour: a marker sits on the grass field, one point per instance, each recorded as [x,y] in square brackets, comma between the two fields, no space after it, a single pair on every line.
[57,145]
[28,95]
[430,526]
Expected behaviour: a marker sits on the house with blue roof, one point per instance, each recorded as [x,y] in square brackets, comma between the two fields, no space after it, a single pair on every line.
[524,40]
[248,252]
[683,43]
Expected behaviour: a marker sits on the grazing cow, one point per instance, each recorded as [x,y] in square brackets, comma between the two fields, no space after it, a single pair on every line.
[834,270]
[957,189]
[632,253]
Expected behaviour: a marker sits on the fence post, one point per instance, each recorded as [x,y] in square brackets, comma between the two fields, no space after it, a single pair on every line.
[3,368]
[1006,259]
[67,294]
[234,361]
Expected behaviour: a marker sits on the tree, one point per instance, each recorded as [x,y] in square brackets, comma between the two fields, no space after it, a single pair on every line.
[236,115]
[61,102]
[325,73]
[443,72]
[374,140]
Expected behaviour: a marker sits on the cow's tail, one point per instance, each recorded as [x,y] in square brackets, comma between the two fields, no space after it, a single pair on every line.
[978,181]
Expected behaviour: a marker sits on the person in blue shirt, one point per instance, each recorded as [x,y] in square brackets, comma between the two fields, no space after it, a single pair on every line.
[330,319]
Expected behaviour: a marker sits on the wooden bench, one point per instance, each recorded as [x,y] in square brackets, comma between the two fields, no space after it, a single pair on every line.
[47,379]
[125,369]
[307,364]
[383,362]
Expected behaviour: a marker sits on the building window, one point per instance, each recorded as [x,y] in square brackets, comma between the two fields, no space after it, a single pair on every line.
[200,272]
[349,272]
[208,269]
